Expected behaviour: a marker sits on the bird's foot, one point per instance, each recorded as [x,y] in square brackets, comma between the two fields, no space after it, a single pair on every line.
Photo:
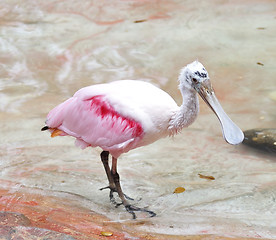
[115,190]
[107,187]
[128,198]
[111,196]
[132,209]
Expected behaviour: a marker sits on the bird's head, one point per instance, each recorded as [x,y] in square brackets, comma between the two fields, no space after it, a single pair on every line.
[194,77]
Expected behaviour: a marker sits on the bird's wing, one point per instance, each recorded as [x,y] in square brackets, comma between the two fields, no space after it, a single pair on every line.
[94,122]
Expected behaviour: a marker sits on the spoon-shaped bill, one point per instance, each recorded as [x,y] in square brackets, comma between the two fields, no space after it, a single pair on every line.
[231,132]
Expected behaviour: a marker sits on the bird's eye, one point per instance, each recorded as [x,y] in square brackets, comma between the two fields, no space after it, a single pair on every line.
[194,80]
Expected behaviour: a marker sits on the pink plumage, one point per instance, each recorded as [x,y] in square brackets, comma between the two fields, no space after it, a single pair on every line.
[116,117]
[127,114]
[94,122]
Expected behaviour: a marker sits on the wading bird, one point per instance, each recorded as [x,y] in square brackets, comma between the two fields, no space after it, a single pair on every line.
[126,114]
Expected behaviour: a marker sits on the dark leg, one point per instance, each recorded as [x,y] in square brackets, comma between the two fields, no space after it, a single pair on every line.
[131,209]
[111,186]
[104,158]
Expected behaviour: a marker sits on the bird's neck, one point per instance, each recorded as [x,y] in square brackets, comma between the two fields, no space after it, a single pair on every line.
[187,111]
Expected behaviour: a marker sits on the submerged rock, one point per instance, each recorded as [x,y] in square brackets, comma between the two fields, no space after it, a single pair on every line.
[261,138]
[17,226]
[13,219]
[31,233]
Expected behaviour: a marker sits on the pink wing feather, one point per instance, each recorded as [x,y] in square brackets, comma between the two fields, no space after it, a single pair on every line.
[93,122]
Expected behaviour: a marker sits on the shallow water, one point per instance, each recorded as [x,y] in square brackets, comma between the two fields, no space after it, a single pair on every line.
[48,50]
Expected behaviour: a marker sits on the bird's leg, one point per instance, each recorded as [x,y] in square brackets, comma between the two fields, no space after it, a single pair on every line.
[130,208]
[111,186]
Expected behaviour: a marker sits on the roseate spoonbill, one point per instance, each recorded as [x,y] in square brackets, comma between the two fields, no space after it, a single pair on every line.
[123,115]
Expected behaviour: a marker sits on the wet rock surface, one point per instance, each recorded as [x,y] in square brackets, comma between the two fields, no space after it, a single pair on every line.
[36,216]
[31,233]
[261,138]
[50,49]
[17,226]
[13,219]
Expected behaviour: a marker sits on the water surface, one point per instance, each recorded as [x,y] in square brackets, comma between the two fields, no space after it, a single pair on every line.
[48,50]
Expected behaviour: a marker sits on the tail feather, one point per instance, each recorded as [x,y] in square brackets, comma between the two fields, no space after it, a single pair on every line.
[44,128]
[57,132]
